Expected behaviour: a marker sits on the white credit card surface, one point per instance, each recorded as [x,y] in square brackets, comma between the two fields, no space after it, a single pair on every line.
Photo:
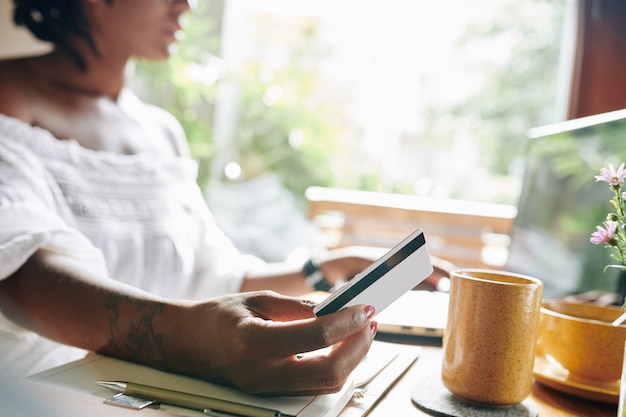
[396,272]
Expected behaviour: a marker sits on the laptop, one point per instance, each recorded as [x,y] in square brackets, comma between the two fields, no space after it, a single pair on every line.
[561,204]
[416,313]
[559,207]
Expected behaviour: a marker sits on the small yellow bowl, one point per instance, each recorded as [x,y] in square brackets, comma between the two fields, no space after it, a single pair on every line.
[580,338]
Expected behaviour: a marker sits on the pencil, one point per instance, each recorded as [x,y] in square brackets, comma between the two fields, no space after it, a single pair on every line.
[191,401]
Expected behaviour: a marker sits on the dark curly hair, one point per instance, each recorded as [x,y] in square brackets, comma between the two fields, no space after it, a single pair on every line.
[56,21]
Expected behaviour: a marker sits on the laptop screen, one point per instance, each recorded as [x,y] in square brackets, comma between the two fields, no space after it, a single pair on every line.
[561,204]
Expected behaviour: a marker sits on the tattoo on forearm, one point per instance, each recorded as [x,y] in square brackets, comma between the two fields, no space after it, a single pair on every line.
[142,342]
[113,306]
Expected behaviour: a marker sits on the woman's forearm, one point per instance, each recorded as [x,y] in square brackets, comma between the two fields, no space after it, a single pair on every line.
[59,298]
[249,340]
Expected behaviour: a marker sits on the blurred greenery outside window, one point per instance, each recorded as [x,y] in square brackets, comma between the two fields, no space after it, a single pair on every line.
[397,96]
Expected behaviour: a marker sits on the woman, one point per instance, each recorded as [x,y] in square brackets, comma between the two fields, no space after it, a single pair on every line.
[105,238]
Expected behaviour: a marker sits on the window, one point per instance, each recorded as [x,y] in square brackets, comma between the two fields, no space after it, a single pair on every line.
[427,98]
[391,96]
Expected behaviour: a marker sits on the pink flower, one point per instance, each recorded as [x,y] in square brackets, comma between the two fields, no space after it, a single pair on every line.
[611,175]
[604,234]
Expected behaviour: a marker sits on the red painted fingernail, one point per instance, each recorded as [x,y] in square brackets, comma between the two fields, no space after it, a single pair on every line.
[369,312]
[374,327]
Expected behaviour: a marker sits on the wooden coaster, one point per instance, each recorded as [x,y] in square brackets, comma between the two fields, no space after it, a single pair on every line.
[431,396]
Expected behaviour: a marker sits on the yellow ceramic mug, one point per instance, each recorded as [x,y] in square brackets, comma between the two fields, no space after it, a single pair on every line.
[490,337]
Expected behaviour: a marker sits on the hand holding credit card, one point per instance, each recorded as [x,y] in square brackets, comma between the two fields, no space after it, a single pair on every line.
[396,272]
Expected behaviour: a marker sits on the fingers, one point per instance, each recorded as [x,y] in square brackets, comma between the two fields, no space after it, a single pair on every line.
[289,325]
[317,374]
[265,331]
[298,336]
[328,373]
[343,268]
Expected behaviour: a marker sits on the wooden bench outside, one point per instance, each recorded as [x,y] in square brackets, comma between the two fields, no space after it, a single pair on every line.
[466,233]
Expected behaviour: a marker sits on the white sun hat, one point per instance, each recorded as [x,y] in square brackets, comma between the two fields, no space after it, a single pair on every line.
[17,41]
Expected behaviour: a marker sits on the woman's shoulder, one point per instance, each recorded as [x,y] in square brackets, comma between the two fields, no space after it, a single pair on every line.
[166,123]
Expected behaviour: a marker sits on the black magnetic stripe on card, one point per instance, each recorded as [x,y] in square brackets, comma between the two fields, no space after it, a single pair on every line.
[374,275]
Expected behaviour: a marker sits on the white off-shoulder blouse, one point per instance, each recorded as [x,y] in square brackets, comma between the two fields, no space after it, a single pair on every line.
[138,219]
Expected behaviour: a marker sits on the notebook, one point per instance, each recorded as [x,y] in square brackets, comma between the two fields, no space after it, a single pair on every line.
[383,365]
